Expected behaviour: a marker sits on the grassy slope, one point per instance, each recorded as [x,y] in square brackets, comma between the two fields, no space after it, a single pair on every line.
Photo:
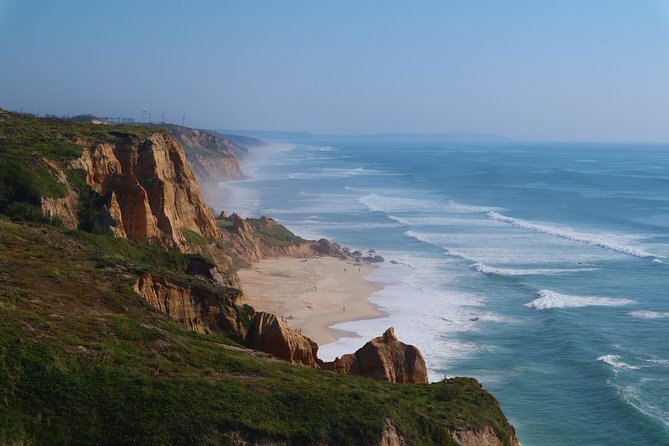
[84,361]
[26,141]
[274,234]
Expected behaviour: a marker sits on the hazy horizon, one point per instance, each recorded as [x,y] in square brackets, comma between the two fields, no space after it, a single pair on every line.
[573,71]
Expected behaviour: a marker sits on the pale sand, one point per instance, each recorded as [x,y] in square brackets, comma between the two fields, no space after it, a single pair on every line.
[314,291]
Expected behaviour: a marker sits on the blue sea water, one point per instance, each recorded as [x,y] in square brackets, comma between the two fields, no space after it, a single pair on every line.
[540,269]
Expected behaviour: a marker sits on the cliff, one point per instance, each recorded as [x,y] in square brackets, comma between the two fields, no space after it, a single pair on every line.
[147,189]
[258,238]
[134,182]
[212,157]
[122,335]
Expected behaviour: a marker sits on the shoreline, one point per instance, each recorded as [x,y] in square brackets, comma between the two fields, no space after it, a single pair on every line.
[312,294]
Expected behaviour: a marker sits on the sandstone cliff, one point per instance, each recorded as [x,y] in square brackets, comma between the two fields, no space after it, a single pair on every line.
[484,436]
[384,358]
[389,436]
[271,335]
[258,238]
[211,157]
[202,308]
[149,188]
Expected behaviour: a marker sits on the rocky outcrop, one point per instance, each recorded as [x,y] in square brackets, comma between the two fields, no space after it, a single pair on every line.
[271,335]
[149,189]
[484,436]
[174,300]
[65,208]
[202,308]
[327,248]
[255,239]
[384,358]
[390,437]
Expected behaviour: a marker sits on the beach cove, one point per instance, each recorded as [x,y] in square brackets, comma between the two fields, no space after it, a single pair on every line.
[312,294]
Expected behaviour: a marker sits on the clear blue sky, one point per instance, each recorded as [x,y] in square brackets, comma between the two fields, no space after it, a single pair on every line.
[534,69]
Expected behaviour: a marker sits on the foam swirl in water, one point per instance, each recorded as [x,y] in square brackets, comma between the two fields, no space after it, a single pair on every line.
[548,299]
[614,361]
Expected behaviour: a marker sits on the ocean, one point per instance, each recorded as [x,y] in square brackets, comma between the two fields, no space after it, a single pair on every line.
[541,269]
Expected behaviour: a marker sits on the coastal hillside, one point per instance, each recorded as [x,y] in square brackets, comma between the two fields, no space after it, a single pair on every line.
[121,320]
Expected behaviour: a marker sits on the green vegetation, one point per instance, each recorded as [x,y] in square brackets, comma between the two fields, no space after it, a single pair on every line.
[195,238]
[24,179]
[273,233]
[224,223]
[56,138]
[32,150]
[83,360]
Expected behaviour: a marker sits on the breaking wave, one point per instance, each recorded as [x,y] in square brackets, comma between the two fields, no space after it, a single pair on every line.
[381,203]
[548,299]
[614,361]
[643,314]
[485,269]
[569,235]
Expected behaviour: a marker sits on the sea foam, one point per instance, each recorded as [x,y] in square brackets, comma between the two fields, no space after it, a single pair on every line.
[614,361]
[442,221]
[642,314]
[384,203]
[485,269]
[548,299]
[569,234]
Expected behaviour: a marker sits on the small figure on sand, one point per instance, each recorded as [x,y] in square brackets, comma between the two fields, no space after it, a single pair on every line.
[343,310]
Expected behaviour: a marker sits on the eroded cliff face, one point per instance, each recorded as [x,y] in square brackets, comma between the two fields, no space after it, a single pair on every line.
[149,189]
[173,299]
[484,436]
[390,436]
[212,158]
[64,208]
[261,238]
[204,309]
[271,335]
[384,358]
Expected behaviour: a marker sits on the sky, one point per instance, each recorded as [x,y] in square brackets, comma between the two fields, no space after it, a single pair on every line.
[568,70]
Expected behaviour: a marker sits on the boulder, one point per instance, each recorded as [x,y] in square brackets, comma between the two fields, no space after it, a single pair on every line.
[376,259]
[384,358]
[271,335]
[326,248]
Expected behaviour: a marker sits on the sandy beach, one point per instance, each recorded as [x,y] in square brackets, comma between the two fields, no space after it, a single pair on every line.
[311,294]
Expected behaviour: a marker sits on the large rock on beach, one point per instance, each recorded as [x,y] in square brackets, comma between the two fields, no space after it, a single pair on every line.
[384,358]
[271,335]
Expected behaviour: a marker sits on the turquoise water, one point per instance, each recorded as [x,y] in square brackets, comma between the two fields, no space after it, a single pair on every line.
[540,269]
